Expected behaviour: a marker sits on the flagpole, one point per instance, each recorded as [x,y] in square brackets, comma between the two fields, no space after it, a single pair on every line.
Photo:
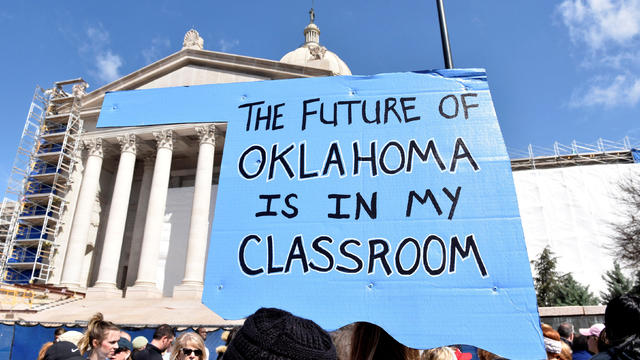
[444,34]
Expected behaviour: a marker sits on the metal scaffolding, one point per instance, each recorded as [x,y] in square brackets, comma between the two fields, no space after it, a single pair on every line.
[35,199]
[601,152]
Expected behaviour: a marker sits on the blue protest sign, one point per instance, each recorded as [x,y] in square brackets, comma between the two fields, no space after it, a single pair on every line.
[386,199]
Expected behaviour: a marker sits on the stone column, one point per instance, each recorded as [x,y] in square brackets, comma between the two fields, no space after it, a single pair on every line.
[140,219]
[105,286]
[77,244]
[192,284]
[145,285]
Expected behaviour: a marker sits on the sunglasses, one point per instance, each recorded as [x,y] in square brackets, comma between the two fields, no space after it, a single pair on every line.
[187,352]
[119,350]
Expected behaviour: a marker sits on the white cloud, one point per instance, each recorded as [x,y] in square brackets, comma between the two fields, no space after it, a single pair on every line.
[226,45]
[598,23]
[98,36]
[623,90]
[96,45]
[153,52]
[605,34]
[620,60]
[108,65]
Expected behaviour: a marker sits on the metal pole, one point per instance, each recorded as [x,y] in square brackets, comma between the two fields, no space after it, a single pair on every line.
[444,34]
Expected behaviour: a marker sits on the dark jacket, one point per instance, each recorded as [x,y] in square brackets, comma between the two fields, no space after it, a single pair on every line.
[581,355]
[149,353]
[628,350]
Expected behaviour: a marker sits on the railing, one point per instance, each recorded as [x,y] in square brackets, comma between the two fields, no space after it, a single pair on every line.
[42,168]
[34,187]
[24,255]
[30,233]
[602,151]
[53,129]
[12,297]
[34,210]
[575,148]
[46,148]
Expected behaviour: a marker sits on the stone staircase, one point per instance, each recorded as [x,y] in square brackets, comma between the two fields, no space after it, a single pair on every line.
[56,303]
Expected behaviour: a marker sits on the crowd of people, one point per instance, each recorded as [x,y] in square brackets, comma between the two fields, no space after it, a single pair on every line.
[104,340]
[273,334]
[617,338]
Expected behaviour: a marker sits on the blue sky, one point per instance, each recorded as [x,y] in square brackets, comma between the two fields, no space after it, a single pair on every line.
[558,70]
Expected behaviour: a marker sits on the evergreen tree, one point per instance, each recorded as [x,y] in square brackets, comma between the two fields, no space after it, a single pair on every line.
[570,292]
[547,277]
[617,283]
[555,289]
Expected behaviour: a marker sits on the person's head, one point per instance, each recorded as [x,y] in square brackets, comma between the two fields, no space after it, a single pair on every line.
[579,343]
[440,353]
[139,342]
[372,342]
[566,331]
[56,334]
[63,350]
[43,350]
[124,334]
[163,336]
[552,342]
[188,346]
[101,337]
[123,352]
[592,334]
[273,334]
[228,335]
[603,342]
[622,318]
[71,336]
[202,332]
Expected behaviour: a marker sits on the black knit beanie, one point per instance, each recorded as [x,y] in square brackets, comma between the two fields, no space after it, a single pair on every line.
[273,334]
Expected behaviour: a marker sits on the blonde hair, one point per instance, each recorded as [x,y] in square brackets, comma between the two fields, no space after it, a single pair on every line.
[189,338]
[96,330]
[440,353]
[566,353]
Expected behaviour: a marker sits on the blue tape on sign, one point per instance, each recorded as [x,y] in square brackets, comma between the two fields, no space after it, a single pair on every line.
[386,199]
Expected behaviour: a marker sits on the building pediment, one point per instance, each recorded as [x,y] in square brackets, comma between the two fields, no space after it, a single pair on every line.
[198,67]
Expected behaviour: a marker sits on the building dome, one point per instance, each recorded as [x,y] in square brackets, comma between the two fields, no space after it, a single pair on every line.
[312,54]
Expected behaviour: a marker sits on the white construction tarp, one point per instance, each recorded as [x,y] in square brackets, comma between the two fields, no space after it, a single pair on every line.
[572,209]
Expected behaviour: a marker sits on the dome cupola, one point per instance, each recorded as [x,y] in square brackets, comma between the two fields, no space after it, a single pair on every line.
[312,54]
